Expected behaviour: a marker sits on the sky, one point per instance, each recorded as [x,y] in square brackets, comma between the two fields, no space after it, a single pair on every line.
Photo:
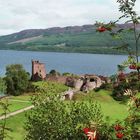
[17,15]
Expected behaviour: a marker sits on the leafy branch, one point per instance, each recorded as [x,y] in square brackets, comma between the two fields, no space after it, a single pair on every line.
[3,129]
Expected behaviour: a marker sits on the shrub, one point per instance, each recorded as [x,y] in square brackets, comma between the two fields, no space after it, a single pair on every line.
[53,118]
[131,82]
[66,74]
[54,72]
[133,120]
[47,87]
[119,89]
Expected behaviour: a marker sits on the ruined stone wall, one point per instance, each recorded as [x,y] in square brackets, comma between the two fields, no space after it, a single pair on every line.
[53,78]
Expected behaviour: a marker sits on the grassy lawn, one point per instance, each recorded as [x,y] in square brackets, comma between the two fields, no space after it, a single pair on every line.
[17,102]
[16,123]
[24,97]
[110,108]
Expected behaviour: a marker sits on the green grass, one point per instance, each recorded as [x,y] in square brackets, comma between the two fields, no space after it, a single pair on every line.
[113,109]
[17,123]
[24,97]
[16,102]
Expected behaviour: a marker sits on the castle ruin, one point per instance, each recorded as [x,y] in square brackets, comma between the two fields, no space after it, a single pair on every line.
[86,82]
[38,71]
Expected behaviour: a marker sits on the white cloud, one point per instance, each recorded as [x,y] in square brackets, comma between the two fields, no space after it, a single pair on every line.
[17,15]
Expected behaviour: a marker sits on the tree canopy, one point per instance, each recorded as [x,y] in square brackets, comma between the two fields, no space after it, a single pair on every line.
[17,79]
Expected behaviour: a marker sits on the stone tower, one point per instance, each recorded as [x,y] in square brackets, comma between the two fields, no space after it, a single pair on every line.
[38,71]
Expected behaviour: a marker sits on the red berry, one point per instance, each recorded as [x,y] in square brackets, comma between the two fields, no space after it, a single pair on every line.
[86,130]
[133,66]
[101,29]
[90,133]
[118,127]
[130,67]
[119,135]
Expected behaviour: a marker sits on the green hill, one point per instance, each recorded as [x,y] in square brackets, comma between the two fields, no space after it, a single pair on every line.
[83,39]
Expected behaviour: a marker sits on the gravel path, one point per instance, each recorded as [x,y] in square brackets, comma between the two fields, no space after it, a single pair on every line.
[16,112]
[19,101]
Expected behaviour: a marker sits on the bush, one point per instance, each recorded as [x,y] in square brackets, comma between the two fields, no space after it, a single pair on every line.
[131,82]
[105,86]
[46,87]
[66,74]
[119,89]
[55,73]
[53,118]
[17,79]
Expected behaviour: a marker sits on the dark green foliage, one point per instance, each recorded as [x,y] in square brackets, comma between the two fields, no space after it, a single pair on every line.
[105,86]
[132,122]
[131,82]
[17,79]
[119,89]
[108,86]
[54,72]
[2,86]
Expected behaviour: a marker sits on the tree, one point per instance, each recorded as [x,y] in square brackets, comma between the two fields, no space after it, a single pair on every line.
[17,79]
[54,73]
[127,8]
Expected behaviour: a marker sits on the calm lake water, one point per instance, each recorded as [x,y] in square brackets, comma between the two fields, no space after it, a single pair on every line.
[63,62]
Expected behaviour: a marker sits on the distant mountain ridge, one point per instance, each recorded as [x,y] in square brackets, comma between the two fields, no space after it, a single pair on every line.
[37,32]
[78,38]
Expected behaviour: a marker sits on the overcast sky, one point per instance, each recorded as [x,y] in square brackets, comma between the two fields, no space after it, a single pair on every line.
[17,15]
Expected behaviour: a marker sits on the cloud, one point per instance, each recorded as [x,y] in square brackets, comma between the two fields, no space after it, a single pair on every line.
[17,15]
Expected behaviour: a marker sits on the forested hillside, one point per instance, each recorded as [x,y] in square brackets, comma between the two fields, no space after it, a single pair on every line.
[83,39]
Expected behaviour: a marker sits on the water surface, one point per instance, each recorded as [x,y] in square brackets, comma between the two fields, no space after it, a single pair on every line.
[63,62]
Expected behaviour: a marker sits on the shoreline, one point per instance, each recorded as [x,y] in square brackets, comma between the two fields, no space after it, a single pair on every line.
[67,52]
